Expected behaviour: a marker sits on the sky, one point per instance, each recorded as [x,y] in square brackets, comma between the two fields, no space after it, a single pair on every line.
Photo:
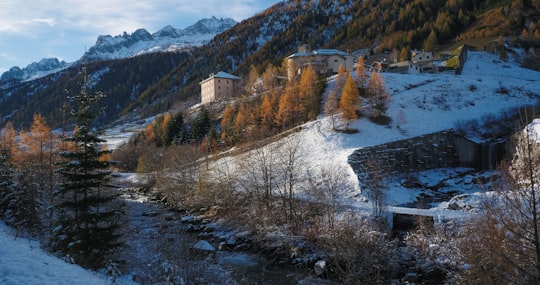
[34,29]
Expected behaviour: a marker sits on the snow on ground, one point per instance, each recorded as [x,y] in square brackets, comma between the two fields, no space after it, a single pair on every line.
[22,261]
[534,128]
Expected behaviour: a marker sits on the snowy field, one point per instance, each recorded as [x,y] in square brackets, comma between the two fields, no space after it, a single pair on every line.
[429,102]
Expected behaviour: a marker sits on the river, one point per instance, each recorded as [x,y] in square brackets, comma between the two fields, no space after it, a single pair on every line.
[159,250]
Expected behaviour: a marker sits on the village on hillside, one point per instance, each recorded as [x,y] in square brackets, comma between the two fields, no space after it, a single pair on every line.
[326,62]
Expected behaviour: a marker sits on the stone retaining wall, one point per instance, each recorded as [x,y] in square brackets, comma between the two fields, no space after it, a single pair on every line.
[437,150]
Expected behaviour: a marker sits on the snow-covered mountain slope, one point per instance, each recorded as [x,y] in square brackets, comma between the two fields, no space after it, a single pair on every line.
[34,70]
[428,103]
[166,39]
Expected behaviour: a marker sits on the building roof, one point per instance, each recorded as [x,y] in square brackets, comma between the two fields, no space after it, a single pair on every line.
[326,52]
[223,75]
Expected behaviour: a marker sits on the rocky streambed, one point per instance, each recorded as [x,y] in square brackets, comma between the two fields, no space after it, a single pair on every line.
[164,246]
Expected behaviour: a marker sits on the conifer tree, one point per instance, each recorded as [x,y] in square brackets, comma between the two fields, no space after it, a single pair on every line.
[270,78]
[361,74]
[309,94]
[340,80]
[288,109]
[87,228]
[200,127]
[174,130]
[331,107]
[240,123]
[349,102]
[268,109]
[378,98]
[8,198]
[227,123]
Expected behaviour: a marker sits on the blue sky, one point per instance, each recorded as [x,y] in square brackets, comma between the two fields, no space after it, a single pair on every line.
[34,29]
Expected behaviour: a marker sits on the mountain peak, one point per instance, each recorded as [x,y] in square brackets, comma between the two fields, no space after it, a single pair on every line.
[168,38]
[35,69]
[211,25]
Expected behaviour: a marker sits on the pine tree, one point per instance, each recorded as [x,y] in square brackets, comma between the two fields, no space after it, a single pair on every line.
[200,127]
[9,201]
[349,102]
[87,228]
[174,132]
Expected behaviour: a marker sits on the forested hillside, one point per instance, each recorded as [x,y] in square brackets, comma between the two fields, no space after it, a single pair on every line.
[122,81]
[157,83]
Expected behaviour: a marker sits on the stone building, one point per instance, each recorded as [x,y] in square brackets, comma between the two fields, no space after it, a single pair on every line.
[219,86]
[324,61]
[421,61]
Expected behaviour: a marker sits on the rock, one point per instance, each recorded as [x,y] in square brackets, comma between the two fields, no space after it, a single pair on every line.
[204,246]
[320,267]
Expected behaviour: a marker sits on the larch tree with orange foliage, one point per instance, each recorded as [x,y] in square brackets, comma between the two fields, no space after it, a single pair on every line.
[36,162]
[349,103]
[227,124]
[361,74]
[289,106]
[340,80]
[309,95]
[268,109]
[270,78]
[240,123]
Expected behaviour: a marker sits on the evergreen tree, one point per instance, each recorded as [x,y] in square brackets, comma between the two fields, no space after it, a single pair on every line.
[174,130]
[200,127]
[87,228]
[8,197]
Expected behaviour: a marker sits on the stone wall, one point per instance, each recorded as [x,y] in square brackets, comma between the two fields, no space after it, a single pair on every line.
[437,150]
[419,153]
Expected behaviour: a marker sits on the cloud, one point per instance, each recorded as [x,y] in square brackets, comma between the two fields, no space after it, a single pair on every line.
[33,29]
[47,21]
[115,17]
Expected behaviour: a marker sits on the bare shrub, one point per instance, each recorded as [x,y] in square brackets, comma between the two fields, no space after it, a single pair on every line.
[178,175]
[358,254]
[504,242]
